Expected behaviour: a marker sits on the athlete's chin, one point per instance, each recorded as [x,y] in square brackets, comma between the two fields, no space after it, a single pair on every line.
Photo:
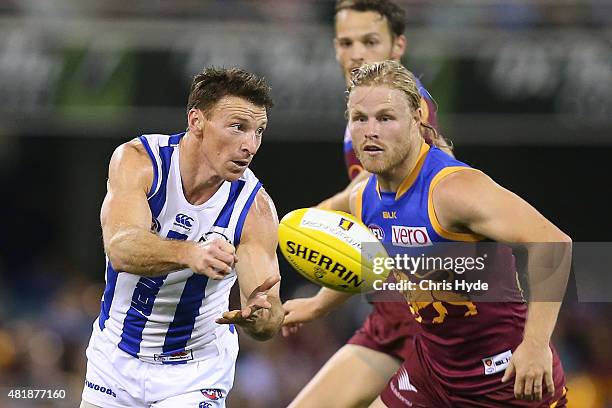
[233,174]
[374,166]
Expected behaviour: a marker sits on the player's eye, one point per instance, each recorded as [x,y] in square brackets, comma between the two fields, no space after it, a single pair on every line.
[385,118]
[344,43]
[359,118]
[371,43]
[260,131]
[237,126]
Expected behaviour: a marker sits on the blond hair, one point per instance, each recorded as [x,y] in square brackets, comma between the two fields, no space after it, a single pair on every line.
[394,75]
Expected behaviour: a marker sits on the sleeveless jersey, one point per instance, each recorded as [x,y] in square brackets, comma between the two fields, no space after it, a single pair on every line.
[169,318]
[430,110]
[456,333]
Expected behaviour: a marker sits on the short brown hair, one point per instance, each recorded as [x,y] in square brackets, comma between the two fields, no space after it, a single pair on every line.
[212,84]
[395,15]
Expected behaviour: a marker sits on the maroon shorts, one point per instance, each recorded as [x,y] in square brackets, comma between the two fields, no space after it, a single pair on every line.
[389,329]
[415,385]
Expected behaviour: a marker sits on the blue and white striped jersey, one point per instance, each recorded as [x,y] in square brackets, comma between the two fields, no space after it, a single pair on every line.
[169,318]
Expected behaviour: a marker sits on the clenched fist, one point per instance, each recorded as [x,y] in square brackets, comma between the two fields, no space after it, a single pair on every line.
[214,259]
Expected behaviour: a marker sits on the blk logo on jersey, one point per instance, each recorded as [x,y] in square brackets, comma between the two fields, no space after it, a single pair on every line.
[410,236]
[389,215]
[378,232]
[205,404]
[183,221]
[213,393]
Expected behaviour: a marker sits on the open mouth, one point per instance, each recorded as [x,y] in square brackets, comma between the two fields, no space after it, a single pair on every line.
[241,163]
[372,148]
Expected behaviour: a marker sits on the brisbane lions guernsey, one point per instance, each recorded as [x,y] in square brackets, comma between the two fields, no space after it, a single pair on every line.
[171,318]
[459,336]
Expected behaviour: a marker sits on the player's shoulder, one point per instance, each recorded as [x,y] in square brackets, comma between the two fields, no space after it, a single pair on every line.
[131,159]
[132,151]
[264,205]
[456,183]
[438,159]
[262,219]
[356,195]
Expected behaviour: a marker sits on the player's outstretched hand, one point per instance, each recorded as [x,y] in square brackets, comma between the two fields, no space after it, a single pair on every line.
[256,301]
[298,312]
[531,364]
[214,259]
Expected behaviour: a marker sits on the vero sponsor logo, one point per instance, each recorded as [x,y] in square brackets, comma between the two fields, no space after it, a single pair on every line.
[409,236]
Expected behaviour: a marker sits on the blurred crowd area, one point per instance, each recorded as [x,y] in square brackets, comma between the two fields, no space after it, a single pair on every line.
[540,70]
[421,11]
[78,64]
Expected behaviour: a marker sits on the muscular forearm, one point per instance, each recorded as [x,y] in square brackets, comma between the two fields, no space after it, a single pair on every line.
[340,201]
[541,320]
[548,270]
[266,322]
[327,300]
[141,252]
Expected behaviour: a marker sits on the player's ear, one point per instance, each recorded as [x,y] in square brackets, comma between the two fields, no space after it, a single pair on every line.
[417,115]
[195,120]
[398,48]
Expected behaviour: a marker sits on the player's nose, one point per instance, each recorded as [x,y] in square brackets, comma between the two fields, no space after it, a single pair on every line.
[357,54]
[371,128]
[251,142]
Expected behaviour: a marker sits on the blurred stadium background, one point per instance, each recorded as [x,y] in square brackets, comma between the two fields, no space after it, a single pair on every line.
[524,89]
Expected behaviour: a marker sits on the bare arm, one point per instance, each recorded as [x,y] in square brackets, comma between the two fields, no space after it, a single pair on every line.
[126,225]
[299,311]
[258,274]
[471,201]
[341,200]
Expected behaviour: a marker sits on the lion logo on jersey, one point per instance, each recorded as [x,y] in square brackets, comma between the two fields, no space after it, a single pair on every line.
[421,300]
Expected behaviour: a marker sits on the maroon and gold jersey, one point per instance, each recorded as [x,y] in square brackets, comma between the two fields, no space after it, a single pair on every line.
[465,341]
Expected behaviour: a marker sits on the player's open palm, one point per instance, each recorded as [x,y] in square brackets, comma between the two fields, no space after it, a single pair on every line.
[214,259]
[531,364]
[257,300]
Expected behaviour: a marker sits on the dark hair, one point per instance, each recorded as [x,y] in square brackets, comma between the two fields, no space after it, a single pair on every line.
[212,84]
[395,15]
